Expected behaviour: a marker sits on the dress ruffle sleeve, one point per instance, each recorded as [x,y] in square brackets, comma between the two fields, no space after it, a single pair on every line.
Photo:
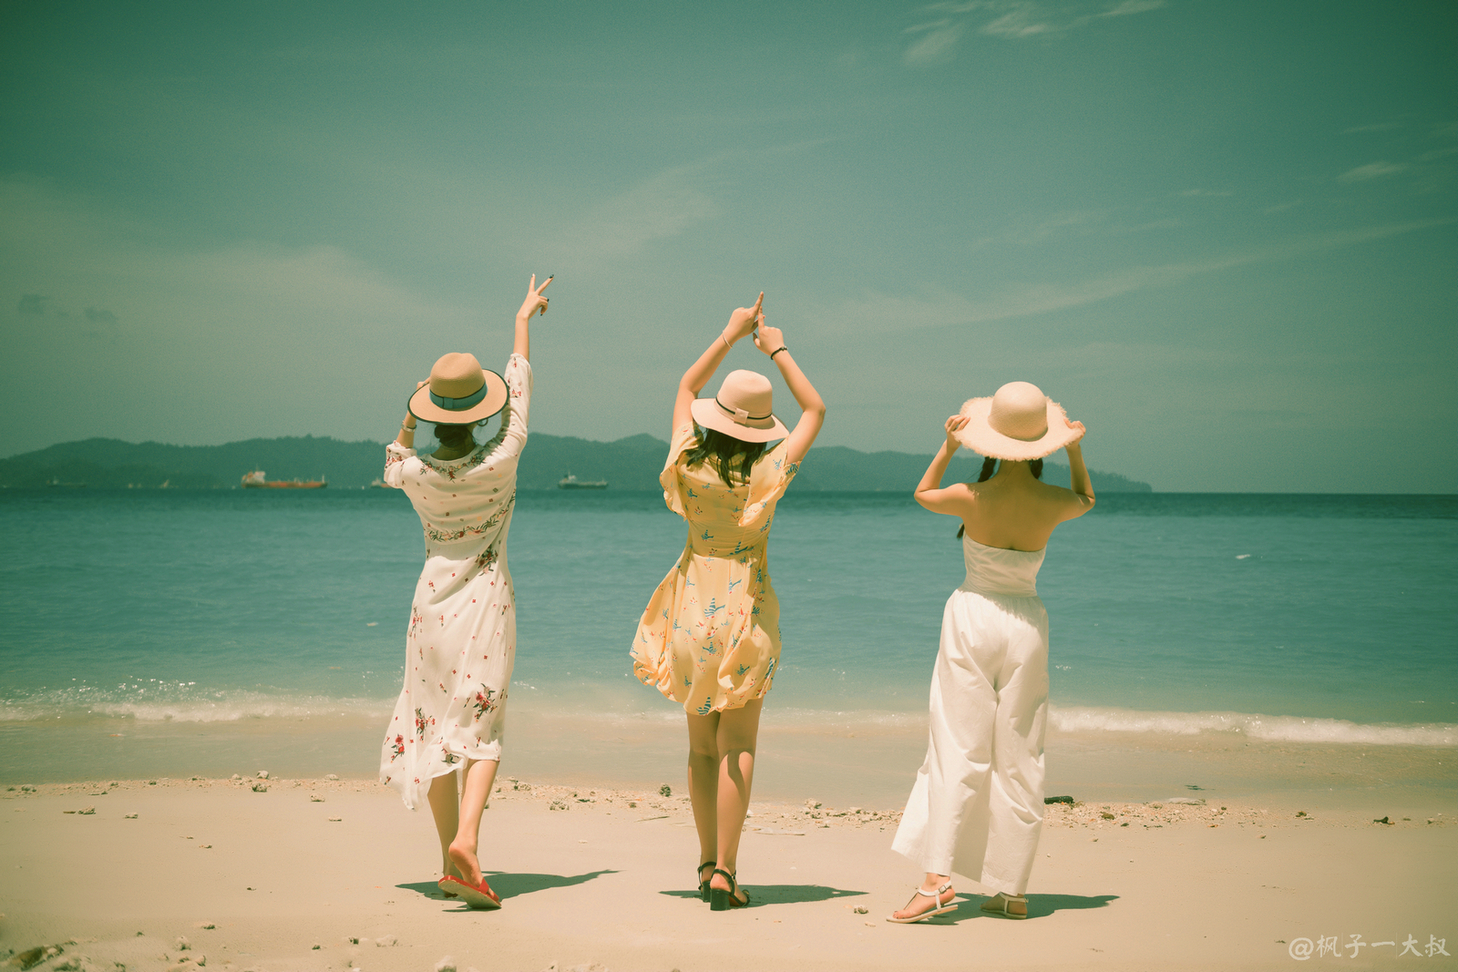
[672,476]
[768,481]
[395,456]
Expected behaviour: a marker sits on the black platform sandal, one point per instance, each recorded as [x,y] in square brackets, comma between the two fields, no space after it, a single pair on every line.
[703,881]
[721,900]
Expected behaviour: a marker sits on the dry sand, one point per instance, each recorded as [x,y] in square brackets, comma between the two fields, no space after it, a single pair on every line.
[334,874]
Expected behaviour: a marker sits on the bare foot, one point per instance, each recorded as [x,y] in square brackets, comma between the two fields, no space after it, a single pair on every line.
[920,904]
[465,863]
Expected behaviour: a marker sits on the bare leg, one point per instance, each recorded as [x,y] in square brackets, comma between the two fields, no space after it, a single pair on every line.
[446,810]
[703,781]
[480,774]
[737,736]
[920,904]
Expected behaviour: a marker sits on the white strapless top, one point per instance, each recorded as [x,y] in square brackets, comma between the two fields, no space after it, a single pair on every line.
[997,570]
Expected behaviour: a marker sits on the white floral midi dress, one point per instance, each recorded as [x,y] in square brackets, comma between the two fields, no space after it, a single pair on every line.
[710,636]
[461,643]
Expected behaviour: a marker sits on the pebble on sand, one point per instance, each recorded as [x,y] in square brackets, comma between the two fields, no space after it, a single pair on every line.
[446,964]
[260,787]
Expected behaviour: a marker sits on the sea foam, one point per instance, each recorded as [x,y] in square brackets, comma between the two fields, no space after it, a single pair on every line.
[1294,729]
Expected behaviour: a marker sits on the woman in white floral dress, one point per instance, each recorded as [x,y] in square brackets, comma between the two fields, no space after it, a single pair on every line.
[462,637]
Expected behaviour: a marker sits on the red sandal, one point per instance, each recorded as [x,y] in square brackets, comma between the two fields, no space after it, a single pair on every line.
[480,896]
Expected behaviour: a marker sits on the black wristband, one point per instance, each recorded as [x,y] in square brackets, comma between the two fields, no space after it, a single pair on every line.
[777,351]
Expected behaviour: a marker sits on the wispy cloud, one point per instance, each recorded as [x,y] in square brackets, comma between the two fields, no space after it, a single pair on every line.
[1373,170]
[1209,193]
[1010,19]
[1132,7]
[656,208]
[875,312]
[935,46]
[1365,129]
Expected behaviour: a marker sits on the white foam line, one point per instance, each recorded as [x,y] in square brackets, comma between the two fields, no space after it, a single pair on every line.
[1254,726]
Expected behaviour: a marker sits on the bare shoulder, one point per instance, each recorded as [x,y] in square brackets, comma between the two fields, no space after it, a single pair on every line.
[1068,503]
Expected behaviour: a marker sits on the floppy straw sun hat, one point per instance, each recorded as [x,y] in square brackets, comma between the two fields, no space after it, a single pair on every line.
[459,392]
[1017,423]
[742,409]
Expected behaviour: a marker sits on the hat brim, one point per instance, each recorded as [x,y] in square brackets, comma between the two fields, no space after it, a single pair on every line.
[428,411]
[709,415]
[982,439]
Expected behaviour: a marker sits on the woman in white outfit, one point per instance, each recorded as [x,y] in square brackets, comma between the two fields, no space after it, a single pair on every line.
[461,644]
[977,805]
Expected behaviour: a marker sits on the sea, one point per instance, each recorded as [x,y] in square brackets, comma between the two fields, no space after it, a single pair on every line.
[170,632]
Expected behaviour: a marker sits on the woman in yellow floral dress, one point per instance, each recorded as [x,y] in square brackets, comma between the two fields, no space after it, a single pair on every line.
[710,636]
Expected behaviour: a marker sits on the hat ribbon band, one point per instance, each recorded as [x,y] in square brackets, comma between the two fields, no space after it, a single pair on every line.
[459,404]
[740,416]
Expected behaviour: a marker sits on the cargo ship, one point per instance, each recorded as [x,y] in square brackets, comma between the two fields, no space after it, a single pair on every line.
[256,480]
[570,481]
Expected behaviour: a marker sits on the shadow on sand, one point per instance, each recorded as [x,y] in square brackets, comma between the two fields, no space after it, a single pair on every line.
[771,894]
[510,885]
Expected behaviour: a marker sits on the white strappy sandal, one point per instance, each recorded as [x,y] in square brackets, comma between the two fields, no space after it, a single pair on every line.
[940,909]
[997,906]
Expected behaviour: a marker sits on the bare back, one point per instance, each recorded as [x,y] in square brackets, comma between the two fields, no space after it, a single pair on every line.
[1011,510]
[1017,512]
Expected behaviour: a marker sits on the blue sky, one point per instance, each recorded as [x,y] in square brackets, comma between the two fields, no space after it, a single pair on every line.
[1223,234]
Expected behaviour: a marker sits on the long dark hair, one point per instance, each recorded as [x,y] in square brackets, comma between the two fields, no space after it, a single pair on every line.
[729,457]
[989,469]
[454,436]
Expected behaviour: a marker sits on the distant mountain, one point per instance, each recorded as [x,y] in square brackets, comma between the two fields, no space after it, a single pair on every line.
[627,464]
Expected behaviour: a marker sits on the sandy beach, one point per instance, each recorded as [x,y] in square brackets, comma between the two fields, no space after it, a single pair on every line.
[329,874]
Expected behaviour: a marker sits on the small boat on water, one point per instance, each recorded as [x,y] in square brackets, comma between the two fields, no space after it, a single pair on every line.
[570,481]
[257,480]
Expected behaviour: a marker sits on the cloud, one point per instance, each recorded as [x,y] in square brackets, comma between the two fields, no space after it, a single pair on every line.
[1129,7]
[1012,19]
[1209,193]
[95,316]
[1363,129]
[31,305]
[660,207]
[935,47]
[1022,21]
[1372,170]
[1437,154]
[877,312]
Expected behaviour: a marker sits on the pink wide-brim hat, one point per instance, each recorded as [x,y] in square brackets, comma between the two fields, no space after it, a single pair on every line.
[742,409]
[460,392]
[1017,423]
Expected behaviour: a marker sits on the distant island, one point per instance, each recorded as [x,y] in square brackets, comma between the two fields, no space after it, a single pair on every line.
[630,464]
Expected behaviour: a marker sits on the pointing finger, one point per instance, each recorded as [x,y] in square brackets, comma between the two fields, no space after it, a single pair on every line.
[545,283]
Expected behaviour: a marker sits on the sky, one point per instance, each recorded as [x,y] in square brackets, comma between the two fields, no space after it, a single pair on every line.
[1223,234]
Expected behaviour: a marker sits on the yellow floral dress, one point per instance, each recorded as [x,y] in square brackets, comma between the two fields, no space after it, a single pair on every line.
[710,636]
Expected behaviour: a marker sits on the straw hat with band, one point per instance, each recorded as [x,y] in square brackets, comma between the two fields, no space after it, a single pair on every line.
[742,409]
[460,392]
[1017,423]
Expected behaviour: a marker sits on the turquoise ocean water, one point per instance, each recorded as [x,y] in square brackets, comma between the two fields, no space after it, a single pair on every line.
[1300,618]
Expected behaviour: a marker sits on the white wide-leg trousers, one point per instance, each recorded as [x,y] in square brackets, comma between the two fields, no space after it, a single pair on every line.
[977,806]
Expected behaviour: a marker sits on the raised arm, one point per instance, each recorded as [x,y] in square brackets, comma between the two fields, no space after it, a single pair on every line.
[1081,484]
[955,500]
[771,340]
[534,302]
[406,438]
[741,322]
